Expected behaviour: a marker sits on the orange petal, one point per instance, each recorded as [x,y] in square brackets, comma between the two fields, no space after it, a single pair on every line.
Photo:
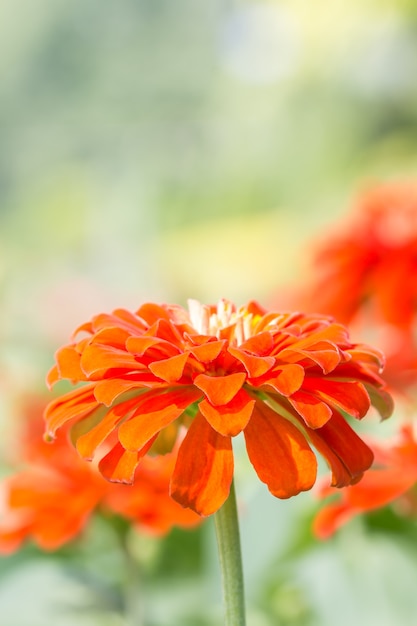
[375,490]
[330,518]
[349,396]
[326,359]
[68,363]
[204,469]
[207,352]
[120,318]
[368,355]
[52,377]
[332,333]
[379,487]
[166,330]
[111,336]
[75,404]
[279,453]
[254,365]
[98,358]
[88,442]
[151,313]
[286,379]
[347,455]
[220,389]
[139,345]
[154,412]
[170,369]
[119,465]
[260,344]
[108,390]
[229,419]
[314,411]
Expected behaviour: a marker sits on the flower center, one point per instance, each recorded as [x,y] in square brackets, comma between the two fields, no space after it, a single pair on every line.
[208,320]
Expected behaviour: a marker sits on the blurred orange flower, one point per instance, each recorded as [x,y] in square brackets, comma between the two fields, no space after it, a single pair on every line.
[391,478]
[370,263]
[53,497]
[200,377]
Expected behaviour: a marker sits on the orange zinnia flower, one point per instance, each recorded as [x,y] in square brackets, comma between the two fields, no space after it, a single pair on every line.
[393,475]
[282,379]
[53,497]
[365,265]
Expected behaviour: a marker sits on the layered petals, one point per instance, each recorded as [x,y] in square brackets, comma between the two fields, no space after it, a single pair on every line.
[286,380]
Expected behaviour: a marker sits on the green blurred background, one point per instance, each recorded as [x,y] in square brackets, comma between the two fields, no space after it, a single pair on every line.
[160,150]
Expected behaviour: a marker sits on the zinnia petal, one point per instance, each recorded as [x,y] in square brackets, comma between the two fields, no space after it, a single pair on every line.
[119,465]
[202,481]
[170,369]
[229,419]
[108,390]
[315,412]
[68,364]
[88,442]
[208,351]
[348,396]
[140,345]
[254,365]
[286,379]
[97,359]
[72,405]
[220,389]
[154,411]
[279,453]
[346,453]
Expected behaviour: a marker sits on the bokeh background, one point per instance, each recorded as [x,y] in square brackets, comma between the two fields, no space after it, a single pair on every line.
[159,150]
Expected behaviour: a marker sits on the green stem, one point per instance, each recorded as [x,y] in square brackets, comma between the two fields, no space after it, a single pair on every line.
[228,542]
[132,587]
[131,584]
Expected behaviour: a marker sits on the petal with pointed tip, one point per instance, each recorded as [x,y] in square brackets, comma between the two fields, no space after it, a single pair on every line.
[170,369]
[260,344]
[119,465]
[207,352]
[254,365]
[220,389]
[314,412]
[229,419]
[286,379]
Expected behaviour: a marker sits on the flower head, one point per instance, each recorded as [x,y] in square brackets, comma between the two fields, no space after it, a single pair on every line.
[52,496]
[164,375]
[365,264]
[391,478]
